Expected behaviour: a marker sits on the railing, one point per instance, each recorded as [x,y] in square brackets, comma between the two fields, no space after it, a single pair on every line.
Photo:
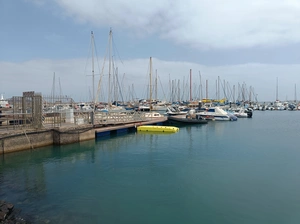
[70,118]
[10,120]
[105,118]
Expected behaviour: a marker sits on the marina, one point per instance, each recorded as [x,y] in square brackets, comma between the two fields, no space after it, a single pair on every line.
[30,122]
[143,112]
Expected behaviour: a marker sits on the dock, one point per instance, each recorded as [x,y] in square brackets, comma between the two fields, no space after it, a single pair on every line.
[16,138]
[125,128]
[28,124]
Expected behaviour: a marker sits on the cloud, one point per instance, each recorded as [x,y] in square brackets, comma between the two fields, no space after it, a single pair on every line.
[73,78]
[201,24]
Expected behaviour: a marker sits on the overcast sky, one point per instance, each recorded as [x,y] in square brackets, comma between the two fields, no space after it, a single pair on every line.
[241,43]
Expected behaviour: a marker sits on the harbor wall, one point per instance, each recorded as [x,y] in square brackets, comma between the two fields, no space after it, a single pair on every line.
[19,140]
[62,136]
[35,139]
[24,141]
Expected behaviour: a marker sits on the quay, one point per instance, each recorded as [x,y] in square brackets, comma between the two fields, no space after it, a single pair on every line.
[31,124]
[19,139]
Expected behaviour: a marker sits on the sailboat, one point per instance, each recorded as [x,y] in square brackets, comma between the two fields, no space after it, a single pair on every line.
[149,108]
[158,105]
[278,105]
[110,106]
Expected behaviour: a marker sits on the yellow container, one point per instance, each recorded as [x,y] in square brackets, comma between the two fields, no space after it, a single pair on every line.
[157,128]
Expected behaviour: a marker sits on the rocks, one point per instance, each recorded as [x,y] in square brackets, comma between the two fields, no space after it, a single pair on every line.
[10,215]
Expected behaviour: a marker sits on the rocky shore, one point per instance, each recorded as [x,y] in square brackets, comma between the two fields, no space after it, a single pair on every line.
[10,215]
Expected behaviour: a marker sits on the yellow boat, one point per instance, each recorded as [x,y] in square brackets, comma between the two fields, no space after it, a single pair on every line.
[157,128]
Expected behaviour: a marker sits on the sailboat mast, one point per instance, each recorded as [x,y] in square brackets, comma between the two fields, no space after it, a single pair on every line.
[93,70]
[201,95]
[53,89]
[109,71]
[276,88]
[60,91]
[295,93]
[156,85]
[206,89]
[190,85]
[150,83]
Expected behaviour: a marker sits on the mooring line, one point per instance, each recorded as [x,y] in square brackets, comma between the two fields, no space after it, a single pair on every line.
[28,139]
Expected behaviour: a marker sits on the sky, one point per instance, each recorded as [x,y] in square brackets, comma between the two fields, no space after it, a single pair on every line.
[211,49]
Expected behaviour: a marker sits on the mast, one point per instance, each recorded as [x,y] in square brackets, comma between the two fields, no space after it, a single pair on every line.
[150,83]
[178,95]
[170,89]
[53,89]
[295,94]
[109,68]
[276,88]
[218,88]
[190,85]
[156,85]
[60,91]
[206,88]
[201,95]
[233,98]
[93,70]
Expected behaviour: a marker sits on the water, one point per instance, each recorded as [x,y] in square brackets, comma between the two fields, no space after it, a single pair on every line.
[246,171]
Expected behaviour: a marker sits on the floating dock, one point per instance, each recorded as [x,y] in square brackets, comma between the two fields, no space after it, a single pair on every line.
[158,128]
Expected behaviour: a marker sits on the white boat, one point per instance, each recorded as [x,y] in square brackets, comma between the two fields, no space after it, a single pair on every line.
[217,114]
[4,103]
[153,114]
[187,119]
[143,108]
[173,110]
[243,113]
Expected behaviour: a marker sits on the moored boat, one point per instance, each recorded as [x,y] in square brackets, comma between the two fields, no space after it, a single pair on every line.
[173,111]
[243,113]
[188,120]
[4,103]
[217,114]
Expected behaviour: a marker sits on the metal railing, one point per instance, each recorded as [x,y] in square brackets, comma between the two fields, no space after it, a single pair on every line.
[58,118]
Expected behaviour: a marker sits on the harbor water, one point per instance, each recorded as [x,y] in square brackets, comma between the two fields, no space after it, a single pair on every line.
[246,171]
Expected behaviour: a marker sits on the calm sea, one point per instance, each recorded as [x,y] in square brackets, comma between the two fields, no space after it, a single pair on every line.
[241,172]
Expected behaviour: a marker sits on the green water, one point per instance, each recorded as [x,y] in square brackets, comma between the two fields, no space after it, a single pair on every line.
[246,171]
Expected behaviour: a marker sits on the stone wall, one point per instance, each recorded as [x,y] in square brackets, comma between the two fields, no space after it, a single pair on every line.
[24,141]
[30,140]
[62,136]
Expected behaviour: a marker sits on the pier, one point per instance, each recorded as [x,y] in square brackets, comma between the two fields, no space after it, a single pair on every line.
[20,134]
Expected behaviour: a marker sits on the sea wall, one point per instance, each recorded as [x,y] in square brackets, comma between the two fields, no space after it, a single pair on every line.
[62,136]
[18,141]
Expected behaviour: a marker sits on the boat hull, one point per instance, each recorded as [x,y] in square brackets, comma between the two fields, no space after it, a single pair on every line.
[187,120]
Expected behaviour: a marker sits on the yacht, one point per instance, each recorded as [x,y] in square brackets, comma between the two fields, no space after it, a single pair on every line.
[4,103]
[217,114]
[175,110]
[243,113]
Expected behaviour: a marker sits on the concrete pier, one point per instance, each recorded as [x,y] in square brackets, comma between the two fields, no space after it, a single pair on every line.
[17,140]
